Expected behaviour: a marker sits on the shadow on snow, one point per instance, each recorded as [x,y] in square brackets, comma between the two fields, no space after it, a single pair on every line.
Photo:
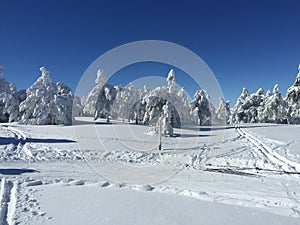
[192,135]
[17,171]
[10,140]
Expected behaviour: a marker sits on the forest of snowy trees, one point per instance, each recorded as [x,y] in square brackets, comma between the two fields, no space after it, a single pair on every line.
[271,107]
[45,102]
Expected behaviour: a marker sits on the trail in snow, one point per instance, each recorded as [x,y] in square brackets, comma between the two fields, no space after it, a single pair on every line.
[17,145]
[12,204]
[7,201]
[20,135]
[20,147]
[261,150]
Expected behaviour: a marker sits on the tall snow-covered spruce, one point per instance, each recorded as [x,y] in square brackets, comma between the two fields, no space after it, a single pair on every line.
[238,111]
[128,103]
[10,99]
[178,104]
[275,108]
[99,101]
[293,99]
[223,111]
[47,103]
[89,101]
[204,107]
[251,105]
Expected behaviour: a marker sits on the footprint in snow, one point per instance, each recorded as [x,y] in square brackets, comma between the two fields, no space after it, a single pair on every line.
[77,182]
[106,184]
[34,183]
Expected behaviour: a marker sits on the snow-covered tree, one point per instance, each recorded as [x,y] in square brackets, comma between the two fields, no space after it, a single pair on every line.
[46,102]
[77,107]
[63,104]
[104,102]
[171,79]
[126,102]
[274,109]
[269,93]
[35,109]
[261,109]
[12,105]
[238,111]
[204,107]
[116,111]
[153,108]
[223,111]
[9,100]
[251,105]
[293,99]
[183,104]
[89,101]
[178,103]
[166,120]
[138,109]
[98,102]
[256,107]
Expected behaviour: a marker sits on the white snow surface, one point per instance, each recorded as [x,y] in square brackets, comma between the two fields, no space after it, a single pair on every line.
[112,173]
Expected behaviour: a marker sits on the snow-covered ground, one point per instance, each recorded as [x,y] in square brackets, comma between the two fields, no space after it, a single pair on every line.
[114,174]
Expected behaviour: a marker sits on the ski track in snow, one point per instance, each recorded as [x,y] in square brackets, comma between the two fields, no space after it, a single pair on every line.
[23,147]
[19,146]
[12,203]
[261,150]
[20,135]
[7,201]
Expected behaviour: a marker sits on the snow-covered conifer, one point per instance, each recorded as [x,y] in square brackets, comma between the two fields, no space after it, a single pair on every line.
[238,111]
[9,100]
[89,101]
[126,102]
[293,99]
[206,109]
[46,102]
[166,120]
[171,79]
[178,103]
[104,94]
[223,111]
[12,105]
[274,108]
[251,105]
[104,102]
[77,107]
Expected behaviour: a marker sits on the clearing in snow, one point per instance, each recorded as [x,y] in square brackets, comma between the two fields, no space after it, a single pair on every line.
[113,173]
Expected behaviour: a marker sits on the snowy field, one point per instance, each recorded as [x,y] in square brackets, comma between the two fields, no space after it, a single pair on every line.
[114,174]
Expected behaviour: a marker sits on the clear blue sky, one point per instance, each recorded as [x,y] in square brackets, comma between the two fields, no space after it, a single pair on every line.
[246,43]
